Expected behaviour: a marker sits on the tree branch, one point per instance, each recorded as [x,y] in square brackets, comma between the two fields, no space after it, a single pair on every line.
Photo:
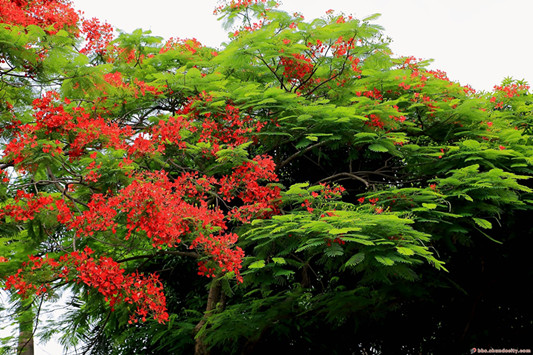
[297,154]
[349,175]
[273,72]
[191,254]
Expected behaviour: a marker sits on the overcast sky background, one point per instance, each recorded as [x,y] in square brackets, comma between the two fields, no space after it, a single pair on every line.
[477,42]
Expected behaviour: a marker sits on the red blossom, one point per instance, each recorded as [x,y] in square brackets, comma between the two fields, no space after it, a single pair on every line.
[511,90]
[97,35]
[190,46]
[296,67]
[43,13]
[102,274]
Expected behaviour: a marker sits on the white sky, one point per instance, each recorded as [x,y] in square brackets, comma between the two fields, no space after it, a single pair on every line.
[477,42]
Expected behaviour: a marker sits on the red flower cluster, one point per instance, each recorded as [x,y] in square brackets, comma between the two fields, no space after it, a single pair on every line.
[168,211]
[190,45]
[219,247]
[512,90]
[104,274]
[77,127]
[325,193]
[17,148]
[50,113]
[329,192]
[296,67]
[169,131]
[115,79]
[373,94]
[98,35]
[56,14]
[27,205]
[426,100]
[341,46]
[375,121]
[317,48]
[259,201]
[227,127]
[411,63]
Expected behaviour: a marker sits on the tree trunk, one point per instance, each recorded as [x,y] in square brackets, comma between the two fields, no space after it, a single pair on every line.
[215,295]
[25,341]
[26,345]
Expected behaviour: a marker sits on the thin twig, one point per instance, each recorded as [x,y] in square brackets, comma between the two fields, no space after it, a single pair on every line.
[349,175]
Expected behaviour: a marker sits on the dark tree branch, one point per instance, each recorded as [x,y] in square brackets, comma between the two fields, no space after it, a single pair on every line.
[349,175]
[297,154]
[273,72]
[191,254]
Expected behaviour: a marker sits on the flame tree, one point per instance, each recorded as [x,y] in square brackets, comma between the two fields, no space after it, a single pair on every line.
[301,187]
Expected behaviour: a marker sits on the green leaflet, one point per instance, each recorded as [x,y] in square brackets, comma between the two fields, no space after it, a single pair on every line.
[483,223]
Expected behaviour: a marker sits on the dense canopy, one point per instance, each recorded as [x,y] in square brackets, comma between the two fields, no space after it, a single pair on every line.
[299,187]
